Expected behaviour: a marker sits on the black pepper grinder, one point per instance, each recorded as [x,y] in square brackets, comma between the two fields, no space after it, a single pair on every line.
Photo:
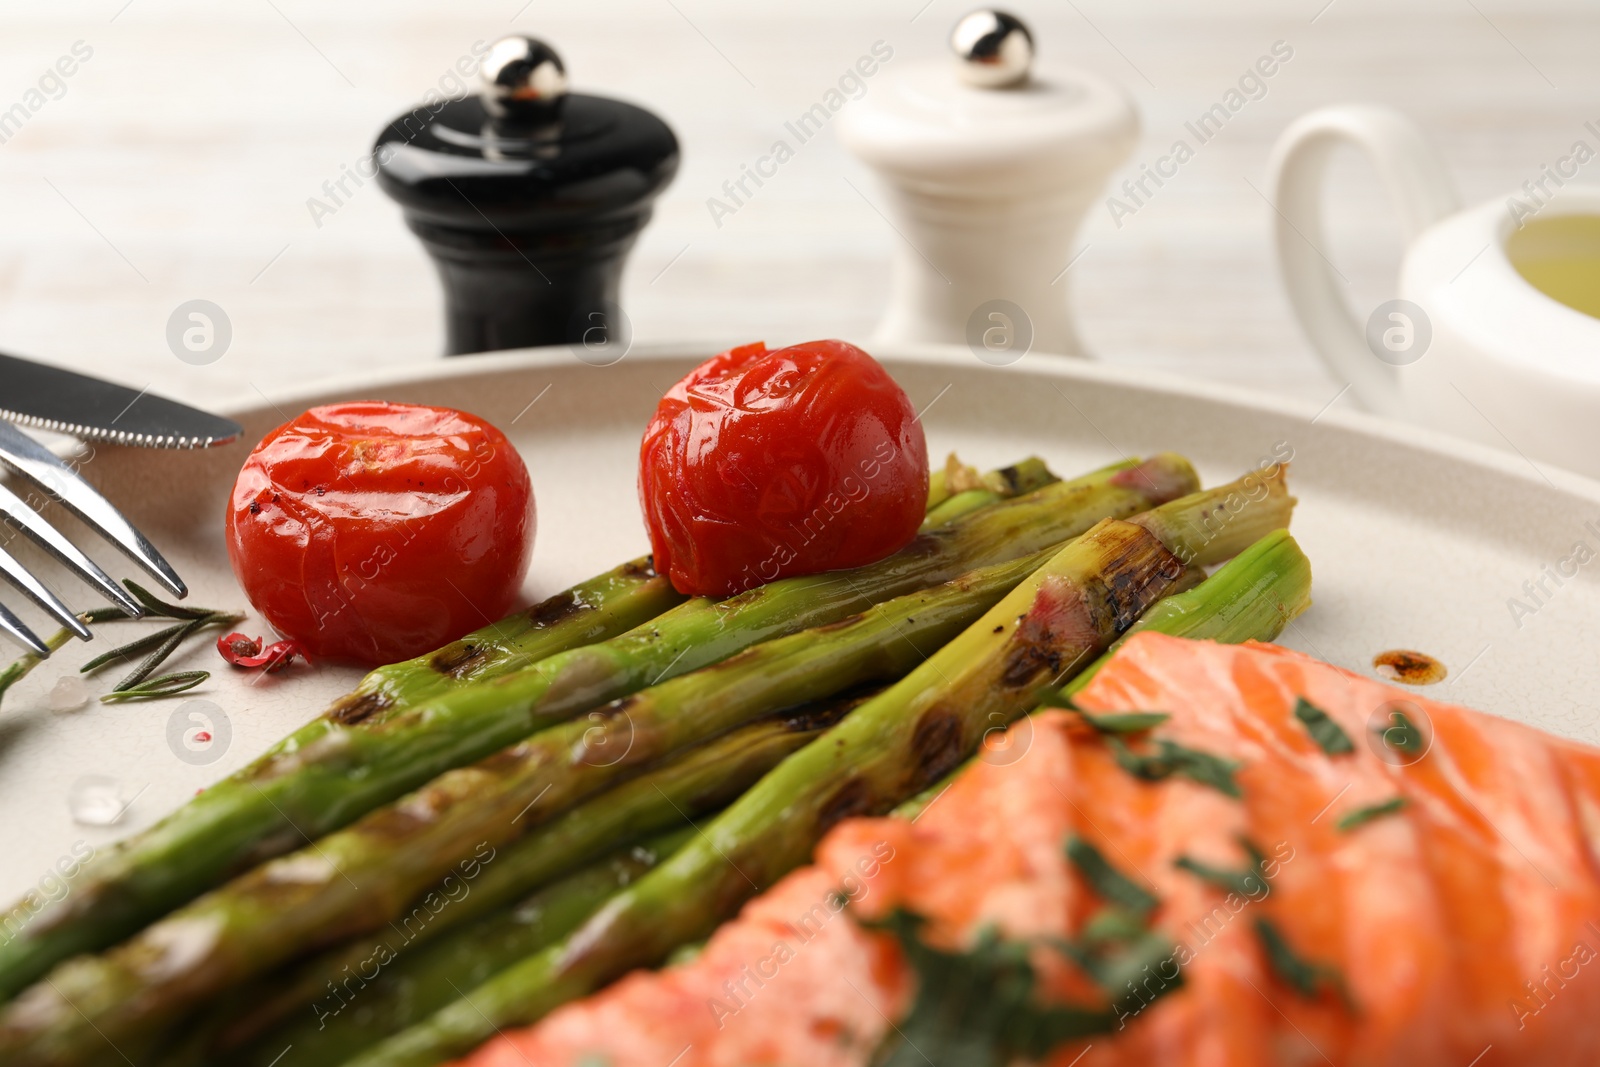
[528,198]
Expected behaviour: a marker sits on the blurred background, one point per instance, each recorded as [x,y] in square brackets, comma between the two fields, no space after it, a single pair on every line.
[180,161]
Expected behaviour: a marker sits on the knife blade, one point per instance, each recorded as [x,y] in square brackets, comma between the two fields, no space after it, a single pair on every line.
[64,401]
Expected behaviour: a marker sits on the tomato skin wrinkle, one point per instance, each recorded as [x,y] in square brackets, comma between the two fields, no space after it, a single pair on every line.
[374,532]
[764,464]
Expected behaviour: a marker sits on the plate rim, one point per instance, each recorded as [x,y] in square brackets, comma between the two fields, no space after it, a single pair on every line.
[1157,382]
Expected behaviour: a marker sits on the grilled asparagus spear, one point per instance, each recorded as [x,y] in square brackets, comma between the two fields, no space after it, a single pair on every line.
[414,986]
[997,485]
[312,897]
[304,787]
[600,608]
[956,477]
[700,781]
[896,744]
[1250,598]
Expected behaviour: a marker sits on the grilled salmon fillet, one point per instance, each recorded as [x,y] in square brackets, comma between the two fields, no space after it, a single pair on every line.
[1429,891]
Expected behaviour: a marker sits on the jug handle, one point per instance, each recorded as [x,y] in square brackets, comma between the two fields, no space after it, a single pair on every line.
[1422,193]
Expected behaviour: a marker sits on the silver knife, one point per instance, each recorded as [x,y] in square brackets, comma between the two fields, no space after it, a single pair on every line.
[52,398]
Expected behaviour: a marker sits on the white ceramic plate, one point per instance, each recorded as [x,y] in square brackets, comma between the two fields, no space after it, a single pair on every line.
[1416,542]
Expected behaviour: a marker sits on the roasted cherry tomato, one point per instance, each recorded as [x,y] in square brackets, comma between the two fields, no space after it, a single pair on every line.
[765,464]
[377,532]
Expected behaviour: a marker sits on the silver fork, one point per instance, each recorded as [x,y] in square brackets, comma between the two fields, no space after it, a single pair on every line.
[32,461]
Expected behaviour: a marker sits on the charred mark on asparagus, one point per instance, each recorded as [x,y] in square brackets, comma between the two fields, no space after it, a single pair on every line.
[353,708]
[640,568]
[1013,479]
[564,605]
[936,743]
[819,715]
[854,797]
[457,659]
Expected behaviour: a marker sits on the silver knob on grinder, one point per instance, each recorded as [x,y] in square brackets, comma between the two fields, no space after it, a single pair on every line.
[995,49]
[523,78]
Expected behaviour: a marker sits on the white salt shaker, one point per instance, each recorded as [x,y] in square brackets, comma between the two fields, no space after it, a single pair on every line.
[989,166]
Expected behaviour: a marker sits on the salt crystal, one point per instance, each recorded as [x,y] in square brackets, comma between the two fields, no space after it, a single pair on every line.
[68,694]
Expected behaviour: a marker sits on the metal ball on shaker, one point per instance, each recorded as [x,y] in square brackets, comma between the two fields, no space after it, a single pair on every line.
[995,49]
[521,75]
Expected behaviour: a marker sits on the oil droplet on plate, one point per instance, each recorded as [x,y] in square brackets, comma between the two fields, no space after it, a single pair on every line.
[96,800]
[1409,667]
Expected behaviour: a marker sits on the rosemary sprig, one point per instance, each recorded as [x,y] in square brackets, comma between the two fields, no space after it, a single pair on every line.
[1328,735]
[1403,736]
[1113,722]
[163,686]
[24,664]
[1361,816]
[1171,758]
[980,1006]
[1251,881]
[141,644]
[1108,883]
[165,610]
[1309,978]
[160,645]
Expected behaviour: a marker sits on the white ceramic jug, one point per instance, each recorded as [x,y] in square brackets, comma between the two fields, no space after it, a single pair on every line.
[988,166]
[1493,334]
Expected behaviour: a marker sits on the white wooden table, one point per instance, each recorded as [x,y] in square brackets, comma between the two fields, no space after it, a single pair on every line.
[179,159]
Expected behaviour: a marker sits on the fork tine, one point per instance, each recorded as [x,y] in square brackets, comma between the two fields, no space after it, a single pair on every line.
[19,576]
[15,509]
[12,625]
[42,467]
